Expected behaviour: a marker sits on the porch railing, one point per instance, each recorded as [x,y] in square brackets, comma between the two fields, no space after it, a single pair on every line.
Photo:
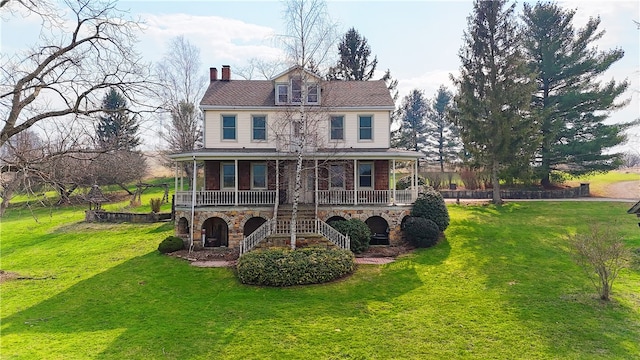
[283,227]
[268,197]
[261,233]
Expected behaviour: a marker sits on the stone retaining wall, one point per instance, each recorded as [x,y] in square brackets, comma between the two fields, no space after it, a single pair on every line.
[580,191]
[120,217]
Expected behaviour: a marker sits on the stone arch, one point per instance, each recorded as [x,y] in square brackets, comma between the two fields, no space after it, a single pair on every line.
[216,232]
[182,226]
[251,224]
[335,218]
[380,229]
[251,216]
[222,216]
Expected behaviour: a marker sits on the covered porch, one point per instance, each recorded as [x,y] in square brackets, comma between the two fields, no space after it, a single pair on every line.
[264,178]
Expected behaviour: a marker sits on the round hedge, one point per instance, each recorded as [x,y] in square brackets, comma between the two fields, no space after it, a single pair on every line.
[421,232]
[285,267]
[358,231]
[430,205]
[405,182]
[171,244]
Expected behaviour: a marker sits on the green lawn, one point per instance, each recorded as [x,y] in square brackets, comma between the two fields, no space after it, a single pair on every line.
[501,285]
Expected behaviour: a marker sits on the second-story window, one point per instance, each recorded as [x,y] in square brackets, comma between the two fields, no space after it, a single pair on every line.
[228,175]
[258,176]
[337,127]
[365,175]
[336,172]
[228,127]
[296,90]
[259,124]
[365,127]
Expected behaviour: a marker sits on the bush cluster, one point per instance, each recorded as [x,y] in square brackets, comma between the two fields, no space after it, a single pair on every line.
[284,267]
[155,204]
[171,244]
[430,205]
[359,233]
[421,232]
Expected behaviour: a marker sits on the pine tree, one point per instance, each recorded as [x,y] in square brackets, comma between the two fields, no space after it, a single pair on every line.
[442,137]
[570,101]
[354,59]
[494,91]
[413,128]
[116,129]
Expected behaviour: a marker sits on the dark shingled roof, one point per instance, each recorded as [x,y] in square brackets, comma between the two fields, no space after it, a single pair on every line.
[261,93]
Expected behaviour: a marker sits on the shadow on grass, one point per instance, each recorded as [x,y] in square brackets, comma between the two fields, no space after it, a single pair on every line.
[527,265]
[163,304]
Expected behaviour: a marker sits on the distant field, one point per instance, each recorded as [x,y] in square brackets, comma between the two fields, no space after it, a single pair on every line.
[501,286]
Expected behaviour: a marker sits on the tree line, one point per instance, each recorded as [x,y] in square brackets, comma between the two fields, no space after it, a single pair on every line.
[527,101]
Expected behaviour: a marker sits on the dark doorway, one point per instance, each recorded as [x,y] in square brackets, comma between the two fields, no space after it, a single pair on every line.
[216,232]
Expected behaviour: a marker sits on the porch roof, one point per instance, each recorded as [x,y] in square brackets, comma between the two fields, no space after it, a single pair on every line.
[273,154]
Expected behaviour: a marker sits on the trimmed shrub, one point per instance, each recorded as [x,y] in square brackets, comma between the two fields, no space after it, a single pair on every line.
[358,231]
[171,244]
[430,205]
[421,232]
[155,204]
[405,182]
[285,267]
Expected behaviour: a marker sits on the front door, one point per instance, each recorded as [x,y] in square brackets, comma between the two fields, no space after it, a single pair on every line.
[307,188]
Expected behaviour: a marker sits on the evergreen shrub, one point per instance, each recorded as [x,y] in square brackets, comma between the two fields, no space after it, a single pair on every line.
[285,267]
[359,233]
[421,232]
[170,244]
[430,205]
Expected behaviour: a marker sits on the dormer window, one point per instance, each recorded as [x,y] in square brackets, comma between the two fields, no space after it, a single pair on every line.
[291,93]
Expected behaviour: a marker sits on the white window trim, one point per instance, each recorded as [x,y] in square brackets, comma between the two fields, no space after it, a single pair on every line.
[222,164]
[373,177]
[317,85]
[372,127]
[288,87]
[266,132]
[235,117]
[343,130]
[266,175]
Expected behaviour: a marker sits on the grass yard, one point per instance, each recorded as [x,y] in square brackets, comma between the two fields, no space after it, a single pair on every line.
[501,286]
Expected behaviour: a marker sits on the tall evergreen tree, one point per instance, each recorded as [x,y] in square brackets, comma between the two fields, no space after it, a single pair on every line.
[354,59]
[570,101]
[442,137]
[413,128]
[116,129]
[494,91]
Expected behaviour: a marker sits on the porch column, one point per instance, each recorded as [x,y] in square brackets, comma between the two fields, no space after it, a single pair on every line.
[235,185]
[315,194]
[175,183]
[193,203]
[355,182]
[415,179]
[393,167]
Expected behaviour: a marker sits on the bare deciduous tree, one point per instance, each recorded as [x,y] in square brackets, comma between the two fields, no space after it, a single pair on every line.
[602,254]
[310,35]
[66,73]
[182,86]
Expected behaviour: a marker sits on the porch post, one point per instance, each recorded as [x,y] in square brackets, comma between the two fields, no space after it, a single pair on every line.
[193,203]
[315,193]
[393,166]
[355,182]
[175,182]
[415,179]
[235,185]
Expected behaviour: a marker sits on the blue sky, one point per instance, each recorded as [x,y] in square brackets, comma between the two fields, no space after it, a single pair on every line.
[417,40]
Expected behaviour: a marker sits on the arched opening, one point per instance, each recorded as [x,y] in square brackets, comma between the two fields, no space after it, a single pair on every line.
[379,230]
[183,226]
[252,224]
[335,218]
[403,223]
[216,232]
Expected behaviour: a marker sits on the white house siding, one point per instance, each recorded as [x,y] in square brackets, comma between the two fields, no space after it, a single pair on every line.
[213,129]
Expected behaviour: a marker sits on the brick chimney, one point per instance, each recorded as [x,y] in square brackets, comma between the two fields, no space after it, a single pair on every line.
[226,72]
[213,74]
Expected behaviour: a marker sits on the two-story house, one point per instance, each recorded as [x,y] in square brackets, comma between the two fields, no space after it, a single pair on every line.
[254,131]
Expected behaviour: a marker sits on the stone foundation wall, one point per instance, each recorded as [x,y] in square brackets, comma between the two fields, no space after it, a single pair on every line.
[119,217]
[236,219]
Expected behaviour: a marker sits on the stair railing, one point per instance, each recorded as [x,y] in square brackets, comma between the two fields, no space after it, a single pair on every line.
[261,233]
[333,235]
